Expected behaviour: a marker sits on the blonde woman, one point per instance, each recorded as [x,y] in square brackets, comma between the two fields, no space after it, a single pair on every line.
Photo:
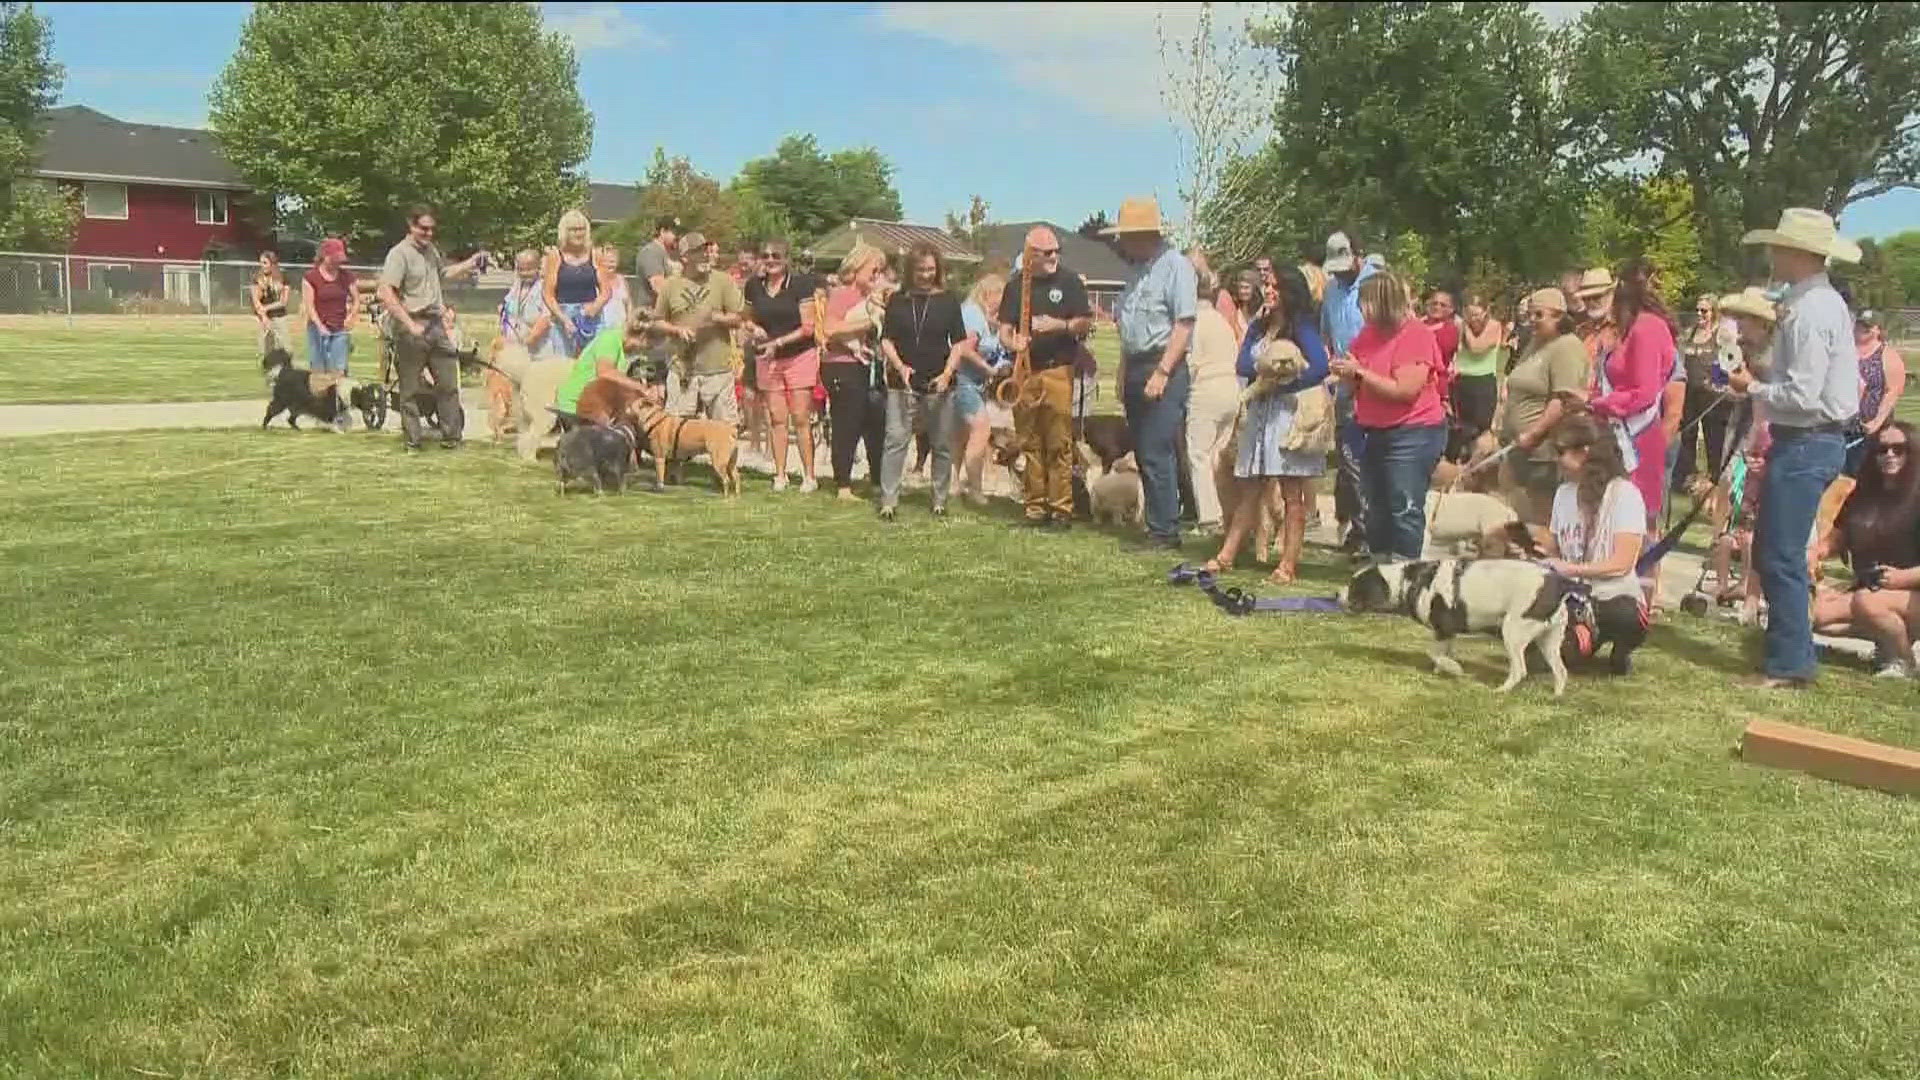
[619,305]
[1699,347]
[268,294]
[855,396]
[576,289]
[971,368]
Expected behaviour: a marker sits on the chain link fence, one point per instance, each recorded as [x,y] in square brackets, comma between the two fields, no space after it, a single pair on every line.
[34,283]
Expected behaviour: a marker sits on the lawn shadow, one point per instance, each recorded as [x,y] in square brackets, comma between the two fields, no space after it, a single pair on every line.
[1668,638]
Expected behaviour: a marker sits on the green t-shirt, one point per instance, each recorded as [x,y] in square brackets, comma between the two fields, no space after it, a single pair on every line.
[1557,368]
[685,302]
[608,345]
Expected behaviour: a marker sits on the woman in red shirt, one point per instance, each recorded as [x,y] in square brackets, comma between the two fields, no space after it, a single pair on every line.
[326,299]
[1394,364]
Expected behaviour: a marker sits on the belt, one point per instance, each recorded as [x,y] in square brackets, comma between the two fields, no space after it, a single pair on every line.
[1831,427]
[1152,355]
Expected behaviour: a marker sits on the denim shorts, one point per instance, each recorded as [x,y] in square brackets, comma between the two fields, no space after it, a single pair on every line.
[968,399]
[327,350]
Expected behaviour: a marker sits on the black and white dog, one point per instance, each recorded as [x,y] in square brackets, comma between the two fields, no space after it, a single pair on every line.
[1523,602]
[297,393]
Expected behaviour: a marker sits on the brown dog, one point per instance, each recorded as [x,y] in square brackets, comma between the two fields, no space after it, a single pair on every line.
[671,438]
[603,400]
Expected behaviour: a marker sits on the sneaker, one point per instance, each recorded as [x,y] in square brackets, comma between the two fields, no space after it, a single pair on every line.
[1893,669]
[780,482]
[939,513]
[809,486]
[886,514]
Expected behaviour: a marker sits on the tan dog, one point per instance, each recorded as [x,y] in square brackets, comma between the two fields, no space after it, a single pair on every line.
[536,383]
[671,438]
[1116,496]
[1456,519]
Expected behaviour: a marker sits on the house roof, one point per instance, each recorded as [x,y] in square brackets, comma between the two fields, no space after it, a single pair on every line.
[612,202]
[1096,262]
[892,237]
[84,144]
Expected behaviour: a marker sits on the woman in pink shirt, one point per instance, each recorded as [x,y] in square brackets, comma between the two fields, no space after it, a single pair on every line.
[1394,364]
[1631,378]
[856,404]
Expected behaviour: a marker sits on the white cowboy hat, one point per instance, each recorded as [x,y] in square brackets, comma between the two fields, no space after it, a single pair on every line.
[1750,301]
[1137,216]
[1594,282]
[1806,230]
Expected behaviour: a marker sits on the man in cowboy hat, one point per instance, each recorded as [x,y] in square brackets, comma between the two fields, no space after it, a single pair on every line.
[1155,314]
[1594,295]
[1810,395]
[1340,323]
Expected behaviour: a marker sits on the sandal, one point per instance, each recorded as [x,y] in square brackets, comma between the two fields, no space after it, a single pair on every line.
[1282,576]
[1183,574]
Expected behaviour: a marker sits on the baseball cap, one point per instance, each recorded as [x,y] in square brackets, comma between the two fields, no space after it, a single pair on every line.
[1339,254]
[333,246]
[692,242]
[1868,317]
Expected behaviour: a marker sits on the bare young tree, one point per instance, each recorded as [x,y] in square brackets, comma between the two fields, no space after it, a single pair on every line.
[1215,101]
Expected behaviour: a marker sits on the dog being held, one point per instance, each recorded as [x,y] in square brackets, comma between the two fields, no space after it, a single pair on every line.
[1523,602]
[1116,496]
[670,438]
[599,454]
[323,395]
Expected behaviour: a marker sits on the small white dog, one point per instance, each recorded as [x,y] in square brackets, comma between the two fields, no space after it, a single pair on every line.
[1521,601]
[1116,496]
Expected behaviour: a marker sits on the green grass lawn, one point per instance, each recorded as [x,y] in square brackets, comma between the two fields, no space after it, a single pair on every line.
[322,761]
[129,359]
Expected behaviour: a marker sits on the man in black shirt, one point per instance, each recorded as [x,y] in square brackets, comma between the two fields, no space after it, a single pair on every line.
[919,334]
[1062,316]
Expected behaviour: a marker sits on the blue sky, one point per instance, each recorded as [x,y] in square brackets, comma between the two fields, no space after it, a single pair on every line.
[1045,110]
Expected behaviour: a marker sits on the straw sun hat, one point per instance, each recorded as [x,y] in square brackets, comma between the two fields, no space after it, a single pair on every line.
[1807,230]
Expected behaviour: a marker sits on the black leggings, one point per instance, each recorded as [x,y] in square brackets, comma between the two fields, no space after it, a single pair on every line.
[854,413]
[1475,398]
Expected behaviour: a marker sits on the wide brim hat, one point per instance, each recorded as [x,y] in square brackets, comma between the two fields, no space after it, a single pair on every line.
[1594,282]
[1339,258]
[1803,229]
[1137,216]
[1752,301]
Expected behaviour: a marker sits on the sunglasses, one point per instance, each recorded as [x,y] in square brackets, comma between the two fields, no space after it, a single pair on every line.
[771,255]
[1702,311]
[1898,449]
[1045,253]
[428,229]
[1571,448]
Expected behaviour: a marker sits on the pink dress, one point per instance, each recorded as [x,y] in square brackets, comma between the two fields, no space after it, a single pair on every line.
[1628,387]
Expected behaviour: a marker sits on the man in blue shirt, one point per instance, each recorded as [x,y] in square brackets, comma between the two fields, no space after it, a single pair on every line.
[1811,394]
[1155,314]
[1340,323]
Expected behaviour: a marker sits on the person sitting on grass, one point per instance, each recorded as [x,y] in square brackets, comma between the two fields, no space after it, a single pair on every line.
[1878,534]
[1597,531]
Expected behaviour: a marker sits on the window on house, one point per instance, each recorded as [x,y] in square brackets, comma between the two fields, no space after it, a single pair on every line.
[210,207]
[105,200]
[101,277]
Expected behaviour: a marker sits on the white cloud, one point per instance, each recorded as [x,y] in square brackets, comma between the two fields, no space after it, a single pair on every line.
[600,26]
[1103,57]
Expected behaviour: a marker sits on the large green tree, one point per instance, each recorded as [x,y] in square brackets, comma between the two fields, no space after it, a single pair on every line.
[33,215]
[1760,106]
[1900,255]
[1439,120]
[350,112]
[674,188]
[816,192]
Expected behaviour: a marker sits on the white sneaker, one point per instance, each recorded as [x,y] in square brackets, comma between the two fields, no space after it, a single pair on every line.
[809,486]
[780,482]
[1893,669]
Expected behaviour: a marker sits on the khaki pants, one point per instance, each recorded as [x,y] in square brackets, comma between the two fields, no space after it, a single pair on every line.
[429,352]
[1046,438]
[710,395]
[1212,408]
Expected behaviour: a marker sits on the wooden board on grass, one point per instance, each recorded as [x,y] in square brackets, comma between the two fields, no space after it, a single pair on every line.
[1832,757]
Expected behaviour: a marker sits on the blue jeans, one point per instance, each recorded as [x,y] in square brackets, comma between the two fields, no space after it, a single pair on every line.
[1800,465]
[1395,471]
[1156,440]
[327,350]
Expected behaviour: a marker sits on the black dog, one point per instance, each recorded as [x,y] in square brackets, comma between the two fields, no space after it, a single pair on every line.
[294,392]
[1108,437]
[591,452]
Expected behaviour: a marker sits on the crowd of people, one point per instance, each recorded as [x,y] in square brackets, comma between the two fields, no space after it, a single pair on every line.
[1585,410]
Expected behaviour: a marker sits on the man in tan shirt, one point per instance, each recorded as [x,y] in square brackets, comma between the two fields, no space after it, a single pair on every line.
[410,292]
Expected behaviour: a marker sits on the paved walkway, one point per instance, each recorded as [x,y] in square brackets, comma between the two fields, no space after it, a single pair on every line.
[1678,573]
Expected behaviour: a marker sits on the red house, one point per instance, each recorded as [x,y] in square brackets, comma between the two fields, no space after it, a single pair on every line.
[147,192]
